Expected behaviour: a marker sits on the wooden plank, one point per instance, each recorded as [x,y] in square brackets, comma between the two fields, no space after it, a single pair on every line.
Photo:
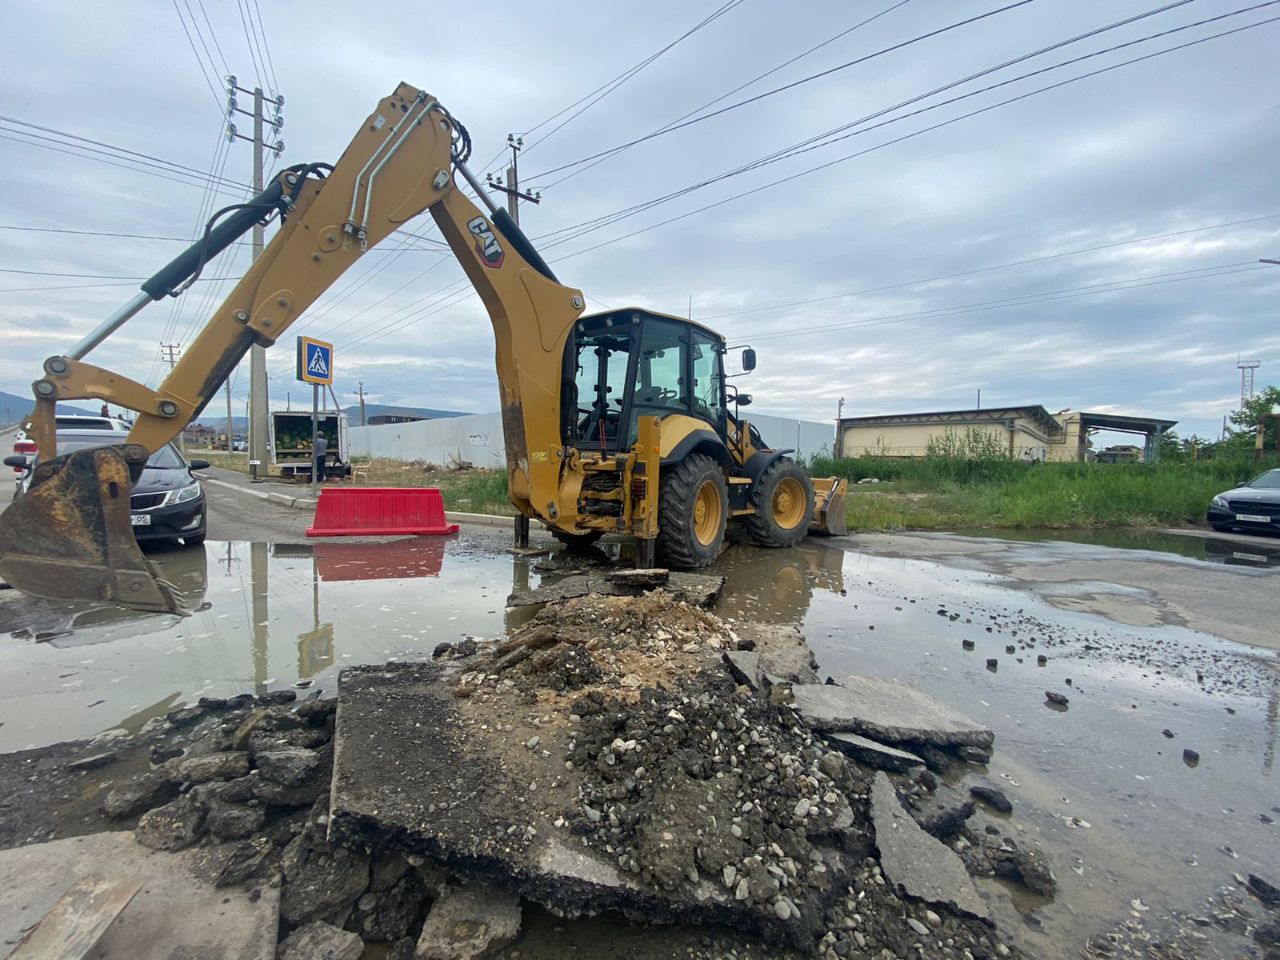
[77,921]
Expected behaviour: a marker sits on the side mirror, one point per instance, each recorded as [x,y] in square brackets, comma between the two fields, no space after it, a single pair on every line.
[748,360]
[199,465]
[743,399]
[17,461]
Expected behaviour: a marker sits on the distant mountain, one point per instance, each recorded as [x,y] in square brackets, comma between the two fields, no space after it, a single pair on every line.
[13,408]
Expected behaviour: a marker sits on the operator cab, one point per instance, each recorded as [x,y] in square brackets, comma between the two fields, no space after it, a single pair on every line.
[630,363]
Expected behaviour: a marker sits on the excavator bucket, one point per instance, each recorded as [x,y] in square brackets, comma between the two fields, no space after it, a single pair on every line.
[69,536]
[828,507]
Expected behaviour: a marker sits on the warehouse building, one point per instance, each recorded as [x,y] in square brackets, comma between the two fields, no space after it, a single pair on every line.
[1026,433]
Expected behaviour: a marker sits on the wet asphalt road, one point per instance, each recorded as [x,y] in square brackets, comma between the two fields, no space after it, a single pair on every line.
[1144,644]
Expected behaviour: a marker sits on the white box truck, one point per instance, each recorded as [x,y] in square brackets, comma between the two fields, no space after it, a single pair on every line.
[291,442]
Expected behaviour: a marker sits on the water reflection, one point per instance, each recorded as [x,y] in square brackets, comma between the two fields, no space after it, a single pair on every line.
[1252,551]
[778,586]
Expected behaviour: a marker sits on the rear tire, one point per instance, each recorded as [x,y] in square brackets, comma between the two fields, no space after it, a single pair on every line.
[693,507]
[576,539]
[783,502]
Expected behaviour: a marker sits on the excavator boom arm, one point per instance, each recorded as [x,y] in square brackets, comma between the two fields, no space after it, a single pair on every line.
[399,164]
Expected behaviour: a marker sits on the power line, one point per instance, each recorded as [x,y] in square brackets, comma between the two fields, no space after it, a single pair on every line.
[200,63]
[909,136]
[1067,293]
[250,42]
[601,92]
[84,276]
[808,145]
[174,167]
[742,86]
[988,269]
[214,36]
[133,168]
[435,247]
[266,49]
[795,83]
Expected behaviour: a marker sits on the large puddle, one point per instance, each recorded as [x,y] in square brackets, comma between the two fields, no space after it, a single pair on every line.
[270,616]
[1260,550]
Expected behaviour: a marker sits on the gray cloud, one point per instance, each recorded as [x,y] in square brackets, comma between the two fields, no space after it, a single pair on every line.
[1174,144]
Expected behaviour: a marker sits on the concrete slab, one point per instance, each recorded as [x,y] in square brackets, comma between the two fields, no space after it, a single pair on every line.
[925,868]
[745,666]
[469,922]
[784,653]
[176,915]
[565,589]
[696,589]
[874,754]
[886,710]
[410,775]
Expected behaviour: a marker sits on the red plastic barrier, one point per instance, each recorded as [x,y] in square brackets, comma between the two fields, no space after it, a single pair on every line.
[380,511]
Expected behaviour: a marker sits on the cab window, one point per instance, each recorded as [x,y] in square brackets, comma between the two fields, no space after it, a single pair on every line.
[708,377]
[660,386]
[601,378]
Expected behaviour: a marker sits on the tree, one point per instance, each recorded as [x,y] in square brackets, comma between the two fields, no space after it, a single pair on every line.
[1244,422]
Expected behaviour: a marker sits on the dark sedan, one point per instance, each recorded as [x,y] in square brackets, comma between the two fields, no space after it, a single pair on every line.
[1254,506]
[167,502]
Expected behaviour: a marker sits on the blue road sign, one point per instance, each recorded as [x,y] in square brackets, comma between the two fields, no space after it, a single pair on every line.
[315,360]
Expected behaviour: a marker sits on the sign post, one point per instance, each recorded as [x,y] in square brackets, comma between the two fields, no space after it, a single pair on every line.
[315,366]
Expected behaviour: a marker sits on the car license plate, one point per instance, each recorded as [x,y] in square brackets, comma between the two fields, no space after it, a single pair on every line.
[1252,518]
[140,519]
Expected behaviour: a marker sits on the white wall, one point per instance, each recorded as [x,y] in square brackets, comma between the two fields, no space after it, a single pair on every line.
[477,439]
[808,438]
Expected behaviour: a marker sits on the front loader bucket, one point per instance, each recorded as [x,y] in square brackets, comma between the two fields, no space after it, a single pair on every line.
[69,537]
[829,518]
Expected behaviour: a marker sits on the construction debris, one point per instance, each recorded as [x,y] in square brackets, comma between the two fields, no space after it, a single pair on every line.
[921,865]
[875,755]
[624,750]
[887,710]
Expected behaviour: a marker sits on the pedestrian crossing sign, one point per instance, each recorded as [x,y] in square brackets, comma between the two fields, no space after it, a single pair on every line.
[315,361]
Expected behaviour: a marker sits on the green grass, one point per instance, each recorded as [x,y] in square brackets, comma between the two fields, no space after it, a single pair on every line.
[929,493]
[934,493]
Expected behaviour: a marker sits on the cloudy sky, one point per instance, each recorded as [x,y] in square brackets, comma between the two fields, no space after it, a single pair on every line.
[1093,245]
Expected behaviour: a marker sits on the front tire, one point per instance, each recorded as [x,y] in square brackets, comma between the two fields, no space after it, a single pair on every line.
[783,502]
[693,507]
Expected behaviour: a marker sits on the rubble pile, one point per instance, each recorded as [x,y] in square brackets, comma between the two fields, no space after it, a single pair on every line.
[628,753]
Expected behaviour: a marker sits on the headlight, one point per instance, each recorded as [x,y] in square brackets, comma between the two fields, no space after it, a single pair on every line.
[1219,502]
[182,496]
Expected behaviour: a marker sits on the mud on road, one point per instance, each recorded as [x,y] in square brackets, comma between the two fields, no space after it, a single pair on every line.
[1146,845]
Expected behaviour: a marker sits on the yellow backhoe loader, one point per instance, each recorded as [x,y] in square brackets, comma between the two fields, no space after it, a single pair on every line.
[616,422]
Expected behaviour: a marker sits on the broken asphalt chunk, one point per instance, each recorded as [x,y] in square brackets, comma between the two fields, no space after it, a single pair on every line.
[874,754]
[923,867]
[886,710]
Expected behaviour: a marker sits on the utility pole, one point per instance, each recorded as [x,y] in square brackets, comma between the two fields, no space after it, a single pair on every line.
[259,402]
[839,429]
[363,421]
[512,187]
[169,353]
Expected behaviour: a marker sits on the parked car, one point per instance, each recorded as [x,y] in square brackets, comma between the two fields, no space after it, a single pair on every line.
[1253,506]
[22,444]
[167,502]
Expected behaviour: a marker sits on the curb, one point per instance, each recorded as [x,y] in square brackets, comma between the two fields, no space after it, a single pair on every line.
[306,503]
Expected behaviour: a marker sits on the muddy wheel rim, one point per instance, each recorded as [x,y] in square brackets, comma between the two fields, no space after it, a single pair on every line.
[789,502]
[707,514]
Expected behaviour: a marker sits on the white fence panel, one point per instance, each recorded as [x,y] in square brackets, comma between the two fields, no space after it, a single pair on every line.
[477,439]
